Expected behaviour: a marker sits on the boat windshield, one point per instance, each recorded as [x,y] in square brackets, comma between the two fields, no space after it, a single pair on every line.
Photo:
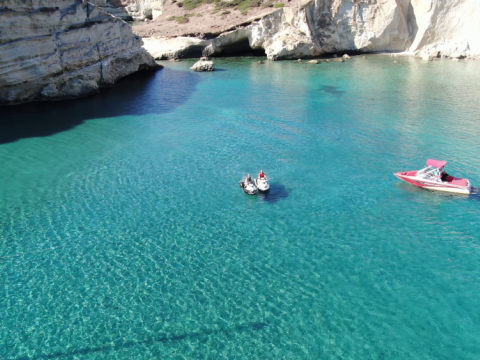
[430,172]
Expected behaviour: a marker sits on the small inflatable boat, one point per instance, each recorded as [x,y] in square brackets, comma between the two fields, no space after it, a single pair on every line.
[250,188]
[262,184]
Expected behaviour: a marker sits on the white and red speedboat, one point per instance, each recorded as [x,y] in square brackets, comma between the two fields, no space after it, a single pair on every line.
[434,177]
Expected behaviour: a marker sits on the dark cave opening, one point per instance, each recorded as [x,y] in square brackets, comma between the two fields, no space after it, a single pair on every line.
[240,48]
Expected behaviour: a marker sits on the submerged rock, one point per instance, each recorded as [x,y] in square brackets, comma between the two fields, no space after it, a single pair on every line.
[204,64]
[313,62]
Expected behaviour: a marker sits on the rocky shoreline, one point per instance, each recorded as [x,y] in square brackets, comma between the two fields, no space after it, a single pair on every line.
[313,28]
[72,48]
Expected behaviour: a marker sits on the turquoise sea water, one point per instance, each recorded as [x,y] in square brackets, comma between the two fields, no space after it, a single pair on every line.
[124,233]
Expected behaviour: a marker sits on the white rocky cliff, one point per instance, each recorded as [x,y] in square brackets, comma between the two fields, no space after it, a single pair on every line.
[329,26]
[446,27]
[318,27]
[132,9]
[61,49]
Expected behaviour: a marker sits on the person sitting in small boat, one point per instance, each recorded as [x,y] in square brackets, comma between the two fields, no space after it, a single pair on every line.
[248,180]
[262,175]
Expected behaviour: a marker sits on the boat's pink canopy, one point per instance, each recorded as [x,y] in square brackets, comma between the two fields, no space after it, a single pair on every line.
[436,163]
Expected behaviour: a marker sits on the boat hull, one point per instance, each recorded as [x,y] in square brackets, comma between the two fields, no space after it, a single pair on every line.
[411,178]
[250,189]
[262,185]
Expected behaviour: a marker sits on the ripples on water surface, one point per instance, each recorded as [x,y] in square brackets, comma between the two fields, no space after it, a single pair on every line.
[124,234]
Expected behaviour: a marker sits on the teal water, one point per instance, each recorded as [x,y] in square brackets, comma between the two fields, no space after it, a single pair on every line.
[124,234]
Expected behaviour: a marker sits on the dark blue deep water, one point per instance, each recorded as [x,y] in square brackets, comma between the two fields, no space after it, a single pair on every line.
[124,233]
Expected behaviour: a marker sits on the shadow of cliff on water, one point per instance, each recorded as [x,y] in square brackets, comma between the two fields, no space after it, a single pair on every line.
[138,94]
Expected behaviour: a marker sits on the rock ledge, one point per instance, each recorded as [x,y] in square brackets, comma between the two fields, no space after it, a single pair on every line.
[204,64]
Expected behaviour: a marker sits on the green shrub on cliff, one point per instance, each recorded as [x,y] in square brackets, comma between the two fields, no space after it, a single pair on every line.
[192,4]
[180,19]
[241,5]
[245,5]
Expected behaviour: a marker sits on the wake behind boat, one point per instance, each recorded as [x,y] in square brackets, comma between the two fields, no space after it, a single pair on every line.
[434,177]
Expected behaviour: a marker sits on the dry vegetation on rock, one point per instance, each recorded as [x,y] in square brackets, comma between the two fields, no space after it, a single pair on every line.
[187,17]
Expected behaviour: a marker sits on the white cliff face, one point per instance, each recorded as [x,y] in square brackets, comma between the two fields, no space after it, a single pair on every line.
[325,26]
[132,9]
[329,26]
[63,49]
[366,25]
[332,26]
[446,27]
[285,34]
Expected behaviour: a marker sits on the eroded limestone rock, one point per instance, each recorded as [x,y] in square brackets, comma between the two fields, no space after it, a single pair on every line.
[69,49]
[312,29]
[175,48]
[139,10]
[204,64]
[445,27]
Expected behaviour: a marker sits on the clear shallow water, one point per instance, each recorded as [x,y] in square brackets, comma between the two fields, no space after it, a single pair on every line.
[124,234]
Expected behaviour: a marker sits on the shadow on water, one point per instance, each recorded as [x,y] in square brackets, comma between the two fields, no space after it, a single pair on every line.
[331,90]
[276,193]
[123,344]
[139,94]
